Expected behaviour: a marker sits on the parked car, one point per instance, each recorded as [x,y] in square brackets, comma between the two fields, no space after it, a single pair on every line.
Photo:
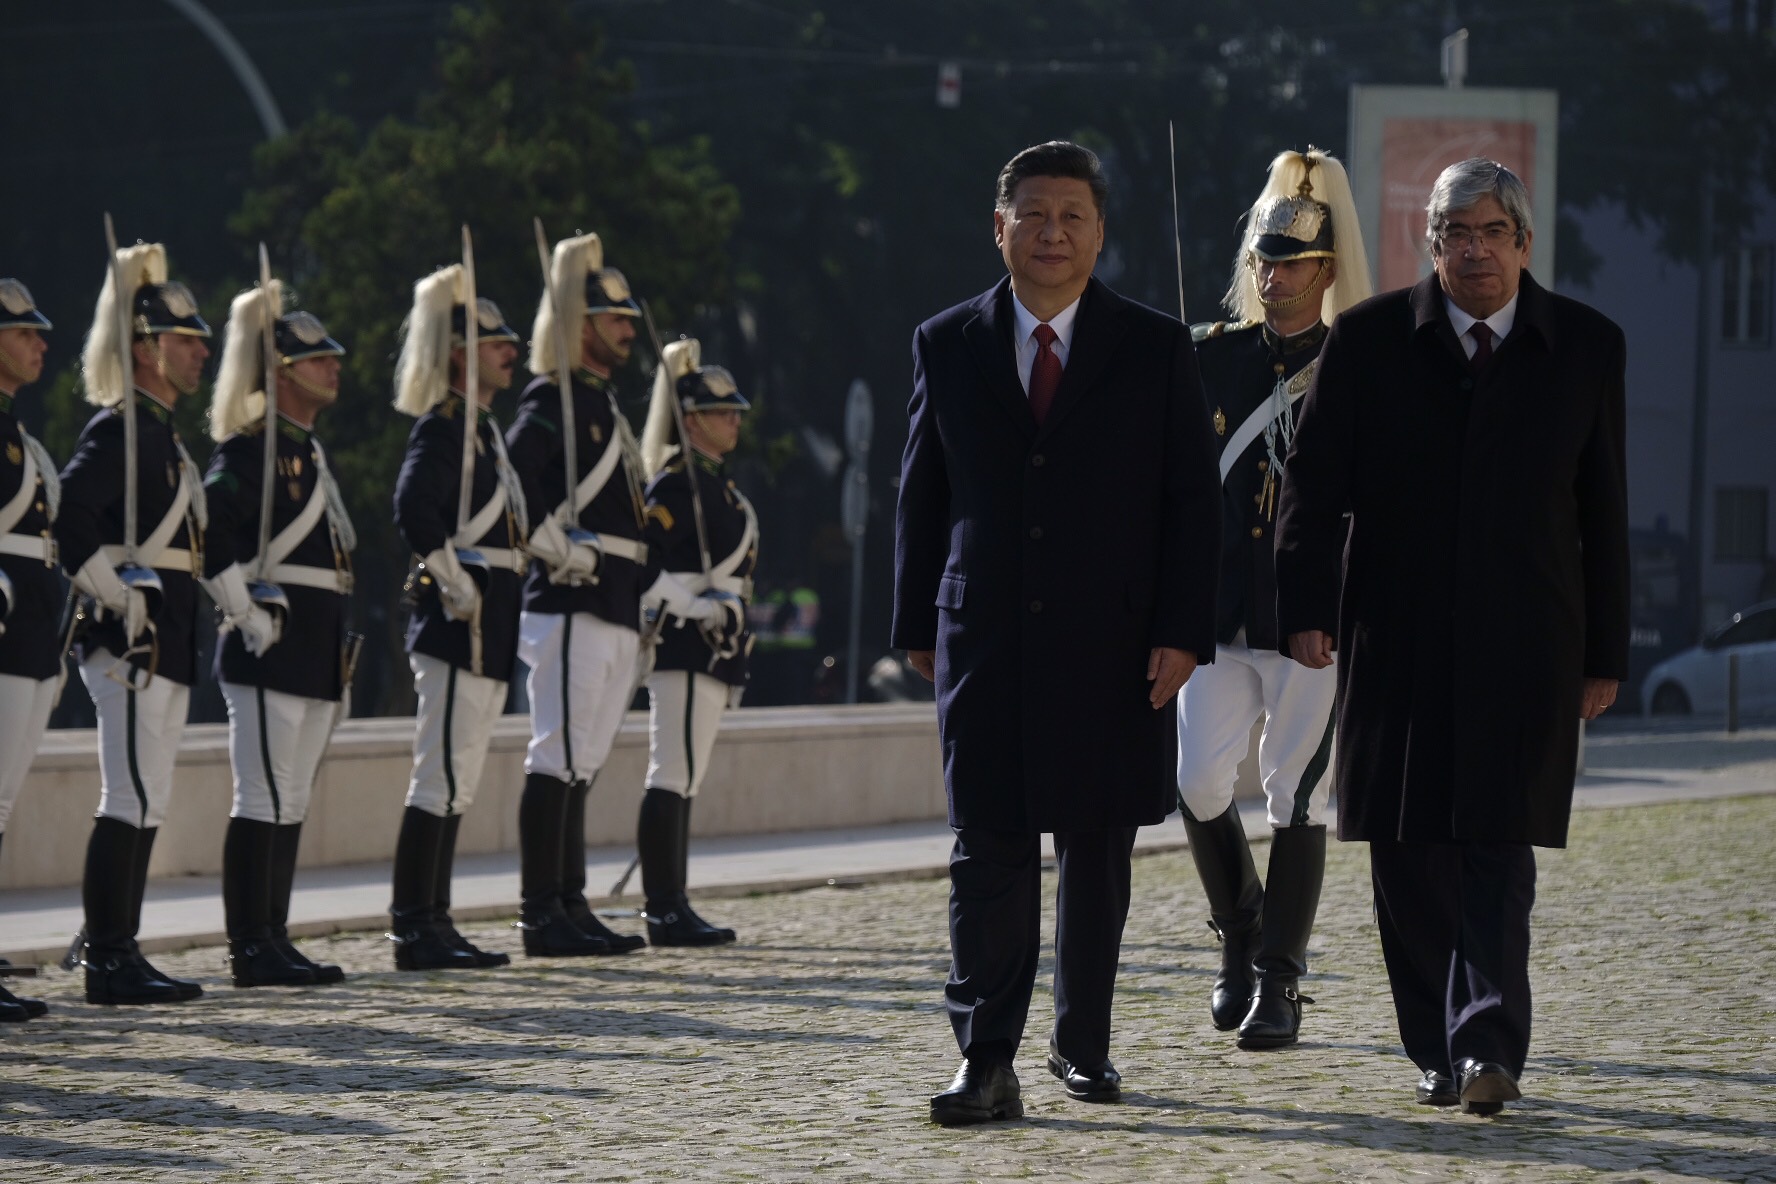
[1695,680]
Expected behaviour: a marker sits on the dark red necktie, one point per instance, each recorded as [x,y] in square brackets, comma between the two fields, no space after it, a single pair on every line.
[1481,332]
[1045,374]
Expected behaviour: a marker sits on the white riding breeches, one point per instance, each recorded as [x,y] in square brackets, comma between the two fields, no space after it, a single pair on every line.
[457,711]
[275,744]
[24,716]
[1216,711]
[582,676]
[139,733]
[684,714]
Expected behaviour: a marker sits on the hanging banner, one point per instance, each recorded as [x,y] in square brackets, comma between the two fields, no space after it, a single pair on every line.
[1403,136]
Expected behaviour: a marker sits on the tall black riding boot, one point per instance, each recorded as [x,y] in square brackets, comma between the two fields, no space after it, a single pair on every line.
[115,971]
[1291,898]
[14,1009]
[441,899]
[285,847]
[573,876]
[249,872]
[139,890]
[548,931]
[1223,861]
[412,924]
[660,836]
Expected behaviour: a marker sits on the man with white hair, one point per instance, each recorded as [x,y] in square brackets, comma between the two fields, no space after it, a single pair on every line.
[1453,528]
[283,657]
[138,654]
[1300,264]
[30,589]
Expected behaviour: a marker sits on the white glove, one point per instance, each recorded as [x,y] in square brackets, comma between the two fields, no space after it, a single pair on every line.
[98,579]
[568,562]
[669,593]
[259,629]
[725,624]
[456,588]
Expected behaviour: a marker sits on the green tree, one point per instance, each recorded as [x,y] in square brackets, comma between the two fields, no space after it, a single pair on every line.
[519,124]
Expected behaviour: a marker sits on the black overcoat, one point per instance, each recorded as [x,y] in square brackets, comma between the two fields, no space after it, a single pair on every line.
[1485,574]
[1044,564]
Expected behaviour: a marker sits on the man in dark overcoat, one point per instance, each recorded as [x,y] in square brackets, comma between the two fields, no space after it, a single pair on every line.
[1471,428]
[1056,554]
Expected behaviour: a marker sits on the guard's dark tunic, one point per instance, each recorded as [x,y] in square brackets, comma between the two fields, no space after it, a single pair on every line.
[92,517]
[672,534]
[534,442]
[308,659]
[426,495]
[1240,368]
[30,647]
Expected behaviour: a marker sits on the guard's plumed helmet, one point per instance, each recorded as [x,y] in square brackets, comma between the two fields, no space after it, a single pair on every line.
[436,325]
[584,286]
[1305,212]
[155,307]
[238,398]
[682,376]
[17,309]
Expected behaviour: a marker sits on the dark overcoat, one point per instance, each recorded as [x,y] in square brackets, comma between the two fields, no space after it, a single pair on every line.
[1485,572]
[1044,564]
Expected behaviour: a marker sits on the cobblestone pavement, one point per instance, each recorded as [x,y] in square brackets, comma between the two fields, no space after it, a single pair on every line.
[808,1053]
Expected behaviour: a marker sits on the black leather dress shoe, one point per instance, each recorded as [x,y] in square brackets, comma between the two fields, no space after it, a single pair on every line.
[1436,1089]
[1485,1086]
[983,1091]
[1100,1084]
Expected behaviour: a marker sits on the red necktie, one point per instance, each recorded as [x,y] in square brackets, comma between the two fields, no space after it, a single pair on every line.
[1045,374]
[1481,332]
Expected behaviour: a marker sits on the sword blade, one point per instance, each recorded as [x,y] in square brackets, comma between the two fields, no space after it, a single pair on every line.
[268,479]
[126,356]
[471,388]
[563,376]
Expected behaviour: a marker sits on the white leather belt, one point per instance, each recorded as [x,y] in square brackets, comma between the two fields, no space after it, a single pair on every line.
[171,559]
[634,550]
[30,546]
[696,582]
[296,575]
[502,558]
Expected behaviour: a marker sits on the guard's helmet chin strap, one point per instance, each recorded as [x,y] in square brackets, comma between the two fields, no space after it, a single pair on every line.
[1313,289]
[160,367]
[319,392]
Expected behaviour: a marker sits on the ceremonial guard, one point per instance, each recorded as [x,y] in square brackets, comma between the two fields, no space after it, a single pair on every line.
[705,535]
[283,587]
[30,587]
[580,631]
[132,548]
[1300,264]
[462,634]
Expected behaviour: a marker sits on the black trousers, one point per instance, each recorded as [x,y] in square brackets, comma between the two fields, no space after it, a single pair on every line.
[1454,921]
[996,938]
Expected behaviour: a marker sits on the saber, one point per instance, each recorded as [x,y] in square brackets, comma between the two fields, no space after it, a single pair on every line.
[127,357]
[268,348]
[1177,225]
[471,388]
[684,440]
[568,511]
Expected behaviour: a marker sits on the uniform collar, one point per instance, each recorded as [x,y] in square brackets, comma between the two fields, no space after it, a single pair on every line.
[1308,338]
[597,382]
[153,406]
[5,403]
[457,396]
[292,430]
[709,464]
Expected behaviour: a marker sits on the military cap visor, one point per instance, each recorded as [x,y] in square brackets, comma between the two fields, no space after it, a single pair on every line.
[490,324]
[17,309]
[711,388]
[1292,228]
[607,290]
[301,336]
[167,308]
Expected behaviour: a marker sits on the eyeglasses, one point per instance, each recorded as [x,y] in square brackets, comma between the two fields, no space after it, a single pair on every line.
[1493,237]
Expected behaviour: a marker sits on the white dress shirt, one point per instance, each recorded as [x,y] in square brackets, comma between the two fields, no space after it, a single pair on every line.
[1499,322]
[1024,326]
